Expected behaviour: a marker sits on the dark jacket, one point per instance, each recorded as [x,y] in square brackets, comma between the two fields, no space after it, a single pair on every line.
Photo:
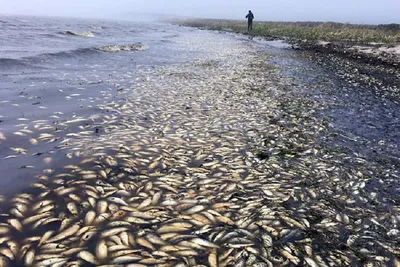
[250,16]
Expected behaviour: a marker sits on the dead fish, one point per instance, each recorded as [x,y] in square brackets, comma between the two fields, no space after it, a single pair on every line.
[66,233]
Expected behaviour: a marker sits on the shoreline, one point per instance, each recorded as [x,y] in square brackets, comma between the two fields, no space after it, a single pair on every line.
[371,54]
[375,53]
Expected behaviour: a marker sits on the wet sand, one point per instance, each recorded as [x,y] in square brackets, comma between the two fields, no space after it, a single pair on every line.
[237,158]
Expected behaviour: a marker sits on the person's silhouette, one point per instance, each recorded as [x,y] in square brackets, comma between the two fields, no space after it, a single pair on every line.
[250,17]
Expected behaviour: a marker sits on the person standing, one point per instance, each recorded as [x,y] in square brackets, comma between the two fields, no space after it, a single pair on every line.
[250,17]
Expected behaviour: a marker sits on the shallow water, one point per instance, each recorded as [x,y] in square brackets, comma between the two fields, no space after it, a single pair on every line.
[205,149]
[43,80]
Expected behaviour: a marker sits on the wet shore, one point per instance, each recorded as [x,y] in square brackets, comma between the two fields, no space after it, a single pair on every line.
[376,45]
[375,54]
[249,155]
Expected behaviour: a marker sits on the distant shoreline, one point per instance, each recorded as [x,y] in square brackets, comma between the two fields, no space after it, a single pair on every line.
[374,44]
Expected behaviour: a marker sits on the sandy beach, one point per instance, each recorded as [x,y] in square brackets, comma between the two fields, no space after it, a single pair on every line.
[233,152]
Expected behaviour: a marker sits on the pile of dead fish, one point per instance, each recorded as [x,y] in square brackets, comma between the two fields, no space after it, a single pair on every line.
[195,169]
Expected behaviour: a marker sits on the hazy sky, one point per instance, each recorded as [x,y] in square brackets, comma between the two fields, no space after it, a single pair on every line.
[356,11]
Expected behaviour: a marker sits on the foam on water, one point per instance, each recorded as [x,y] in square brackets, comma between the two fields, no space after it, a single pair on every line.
[84,34]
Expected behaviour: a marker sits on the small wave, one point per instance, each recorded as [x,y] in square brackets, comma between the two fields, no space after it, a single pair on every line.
[171,36]
[40,59]
[64,54]
[96,27]
[10,61]
[50,35]
[7,23]
[84,34]
[117,48]
[166,41]
[12,64]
